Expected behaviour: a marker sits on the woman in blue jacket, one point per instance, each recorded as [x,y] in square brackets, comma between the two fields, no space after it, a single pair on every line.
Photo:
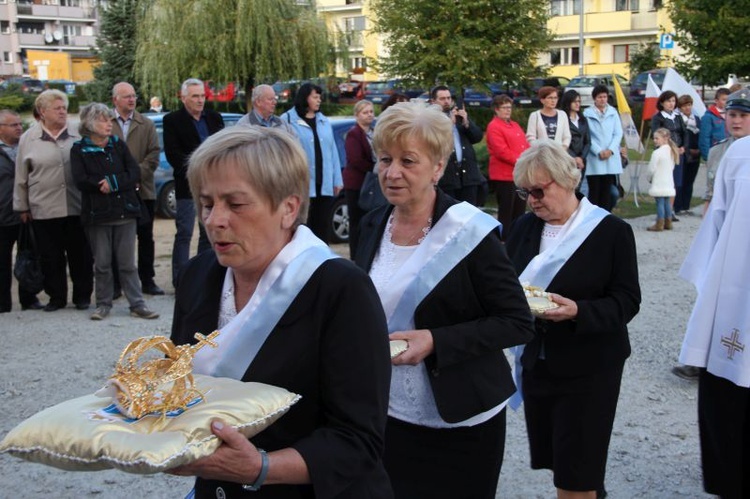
[603,162]
[315,133]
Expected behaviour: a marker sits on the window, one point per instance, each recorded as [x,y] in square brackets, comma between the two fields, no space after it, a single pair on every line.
[354,23]
[622,52]
[567,56]
[30,28]
[621,5]
[7,58]
[359,62]
[69,31]
[565,7]
[5,27]
[70,3]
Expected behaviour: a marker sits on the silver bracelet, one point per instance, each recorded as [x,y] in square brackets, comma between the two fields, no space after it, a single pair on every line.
[255,486]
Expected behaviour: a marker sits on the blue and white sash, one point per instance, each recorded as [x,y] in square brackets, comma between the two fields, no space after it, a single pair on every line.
[242,338]
[450,240]
[543,268]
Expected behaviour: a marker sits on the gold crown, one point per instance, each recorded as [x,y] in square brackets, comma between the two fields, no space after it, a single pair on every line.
[158,385]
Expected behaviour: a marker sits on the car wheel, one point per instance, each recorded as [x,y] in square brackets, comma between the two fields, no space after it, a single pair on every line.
[166,205]
[340,221]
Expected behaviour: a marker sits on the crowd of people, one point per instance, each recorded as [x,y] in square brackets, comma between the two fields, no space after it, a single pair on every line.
[429,270]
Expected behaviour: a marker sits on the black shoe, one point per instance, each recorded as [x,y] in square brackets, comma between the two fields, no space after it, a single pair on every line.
[52,307]
[674,218]
[152,289]
[83,305]
[37,305]
[117,294]
[689,373]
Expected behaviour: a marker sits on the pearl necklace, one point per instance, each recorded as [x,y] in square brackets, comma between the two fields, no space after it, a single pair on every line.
[413,239]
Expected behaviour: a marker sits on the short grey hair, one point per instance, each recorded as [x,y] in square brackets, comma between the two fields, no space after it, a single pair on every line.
[90,114]
[189,83]
[271,160]
[46,98]
[7,112]
[258,92]
[119,84]
[549,157]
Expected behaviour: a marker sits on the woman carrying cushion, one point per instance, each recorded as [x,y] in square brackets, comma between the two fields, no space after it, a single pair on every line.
[549,122]
[448,290]
[291,314]
[505,143]
[315,134]
[359,160]
[571,371]
[107,175]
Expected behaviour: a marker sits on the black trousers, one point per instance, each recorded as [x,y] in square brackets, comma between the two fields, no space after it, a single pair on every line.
[319,217]
[509,205]
[724,423]
[8,237]
[355,215]
[600,190]
[455,463]
[685,193]
[63,244]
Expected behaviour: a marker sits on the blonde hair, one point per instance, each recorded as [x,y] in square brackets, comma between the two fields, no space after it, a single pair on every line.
[46,98]
[361,105]
[665,133]
[547,156]
[415,120]
[270,159]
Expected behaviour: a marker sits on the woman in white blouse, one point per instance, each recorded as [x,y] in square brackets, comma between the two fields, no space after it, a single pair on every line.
[549,122]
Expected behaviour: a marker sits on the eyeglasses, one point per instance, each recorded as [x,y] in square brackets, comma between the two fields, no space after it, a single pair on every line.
[505,108]
[15,125]
[536,192]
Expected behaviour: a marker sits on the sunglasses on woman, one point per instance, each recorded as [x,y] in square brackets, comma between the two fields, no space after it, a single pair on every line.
[536,192]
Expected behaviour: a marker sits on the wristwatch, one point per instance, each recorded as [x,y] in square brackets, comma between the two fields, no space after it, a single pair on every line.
[255,486]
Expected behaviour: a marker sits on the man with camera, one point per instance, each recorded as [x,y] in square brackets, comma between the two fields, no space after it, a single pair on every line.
[462,179]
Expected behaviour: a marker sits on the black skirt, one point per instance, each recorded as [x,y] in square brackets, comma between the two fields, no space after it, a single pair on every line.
[569,422]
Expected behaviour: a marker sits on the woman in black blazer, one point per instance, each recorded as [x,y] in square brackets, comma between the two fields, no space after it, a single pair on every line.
[580,141]
[450,292]
[668,117]
[586,259]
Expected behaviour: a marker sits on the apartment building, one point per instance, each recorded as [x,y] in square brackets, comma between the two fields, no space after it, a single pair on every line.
[349,24]
[48,39]
[611,29]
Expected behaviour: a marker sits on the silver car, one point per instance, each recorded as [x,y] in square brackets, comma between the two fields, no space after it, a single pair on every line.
[584,85]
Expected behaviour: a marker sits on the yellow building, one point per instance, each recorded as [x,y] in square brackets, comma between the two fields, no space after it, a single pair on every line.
[349,25]
[612,30]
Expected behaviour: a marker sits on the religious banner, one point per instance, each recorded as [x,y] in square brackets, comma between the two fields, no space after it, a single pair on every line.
[629,131]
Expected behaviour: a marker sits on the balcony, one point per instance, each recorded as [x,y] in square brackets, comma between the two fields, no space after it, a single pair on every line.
[54,12]
[355,40]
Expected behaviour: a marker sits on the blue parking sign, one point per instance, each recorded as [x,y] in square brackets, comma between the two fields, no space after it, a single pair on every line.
[666,41]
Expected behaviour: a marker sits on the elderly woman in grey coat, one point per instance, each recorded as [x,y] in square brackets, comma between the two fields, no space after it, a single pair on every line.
[44,192]
[107,175]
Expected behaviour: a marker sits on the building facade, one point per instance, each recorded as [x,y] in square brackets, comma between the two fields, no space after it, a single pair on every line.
[350,26]
[612,30]
[48,39]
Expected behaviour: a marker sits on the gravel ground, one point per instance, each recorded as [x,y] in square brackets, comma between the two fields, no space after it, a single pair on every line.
[46,358]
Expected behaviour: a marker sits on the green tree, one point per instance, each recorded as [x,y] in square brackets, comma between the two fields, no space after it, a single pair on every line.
[251,41]
[461,42]
[714,35]
[647,56]
[117,47]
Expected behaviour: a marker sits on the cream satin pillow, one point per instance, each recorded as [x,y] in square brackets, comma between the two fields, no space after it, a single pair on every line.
[81,435]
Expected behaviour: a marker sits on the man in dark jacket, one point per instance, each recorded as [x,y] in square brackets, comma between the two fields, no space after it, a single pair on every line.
[462,179]
[10,222]
[185,130]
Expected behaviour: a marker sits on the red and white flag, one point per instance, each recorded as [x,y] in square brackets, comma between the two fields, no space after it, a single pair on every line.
[677,84]
[649,101]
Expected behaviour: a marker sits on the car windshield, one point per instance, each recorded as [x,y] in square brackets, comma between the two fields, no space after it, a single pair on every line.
[582,82]
[377,86]
[642,79]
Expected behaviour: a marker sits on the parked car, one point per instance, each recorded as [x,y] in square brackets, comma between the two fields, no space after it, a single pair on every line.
[350,89]
[285,91]
[66,86]
[379,91]
[474,97]
[28,85]
[638,84]
[584,85]
[528,93]
[166,202]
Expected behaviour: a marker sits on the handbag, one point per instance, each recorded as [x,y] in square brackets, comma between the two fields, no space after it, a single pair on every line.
[370,195]
[28,269]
